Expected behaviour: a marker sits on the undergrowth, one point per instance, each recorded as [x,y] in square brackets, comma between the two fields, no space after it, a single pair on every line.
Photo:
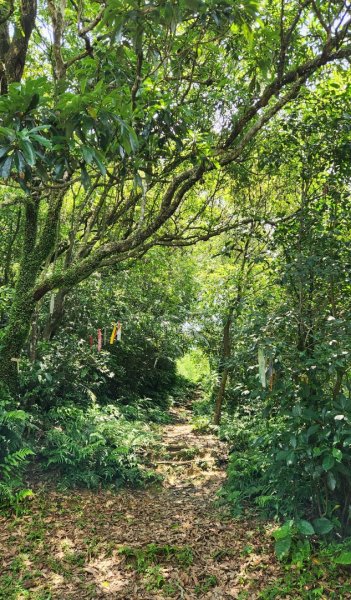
[293,467]
[320,575]
[14,453]
[150,561]
[94,447]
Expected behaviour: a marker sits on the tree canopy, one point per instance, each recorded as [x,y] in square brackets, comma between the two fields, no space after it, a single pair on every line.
[179,171]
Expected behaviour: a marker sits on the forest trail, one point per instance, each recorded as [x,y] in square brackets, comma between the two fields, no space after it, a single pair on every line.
[167,541]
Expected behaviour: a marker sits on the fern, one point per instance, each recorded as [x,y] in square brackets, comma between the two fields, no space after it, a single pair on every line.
[13,456]
[94,446]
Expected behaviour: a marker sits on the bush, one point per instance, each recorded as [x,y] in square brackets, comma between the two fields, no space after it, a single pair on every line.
[296,466]
[13,452]
[145,410]
[95,446]
[67,369]
[237,431]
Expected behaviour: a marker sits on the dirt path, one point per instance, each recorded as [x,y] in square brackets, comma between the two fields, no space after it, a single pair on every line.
[170,541]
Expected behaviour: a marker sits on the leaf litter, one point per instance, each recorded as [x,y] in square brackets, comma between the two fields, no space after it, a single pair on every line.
[172,540]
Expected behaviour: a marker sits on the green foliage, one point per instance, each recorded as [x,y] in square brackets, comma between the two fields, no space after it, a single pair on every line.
[236,429]
[142,558]
[144,410]
[297,465]
[343,559]
[209,581]
[314,575]
[292,540]
[66,372]
[202,424]
[289,436]
[141,365]
[150,559]
[194,366]
[93,447]
[13,454]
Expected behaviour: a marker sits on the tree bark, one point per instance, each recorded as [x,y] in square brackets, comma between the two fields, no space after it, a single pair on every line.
[223,368]
[54,320]
[22,309]
[234,310]
[34,254]
[13,51]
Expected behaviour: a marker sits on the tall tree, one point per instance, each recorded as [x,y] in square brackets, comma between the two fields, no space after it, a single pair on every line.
[130,116]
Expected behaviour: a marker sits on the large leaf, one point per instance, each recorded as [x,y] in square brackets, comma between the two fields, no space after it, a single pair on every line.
[4,150]
[337,453]
[343,559]
[305,528]
[88,154]
[283,531]
[282,547]
[28,152]
[322,526]
[328,462]
[5,167]
[43,141]
[99,163]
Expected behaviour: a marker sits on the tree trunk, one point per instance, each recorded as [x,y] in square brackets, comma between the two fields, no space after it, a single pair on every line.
[21,314]
[223,368]
[16,331]
[233,312]
[54,320]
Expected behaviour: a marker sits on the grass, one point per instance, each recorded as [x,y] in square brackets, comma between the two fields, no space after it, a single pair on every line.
[206,585]
[316,578]
[143,558]
[149,562]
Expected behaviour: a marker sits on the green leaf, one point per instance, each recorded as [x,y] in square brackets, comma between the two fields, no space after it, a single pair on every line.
[311,430]
[282,547]
[19,161]
[328,462]
[331,481]
[322,526]
[5,168]
[337,453]
[9,133]
[305,528]
[88,154]
[28,152]
[4,150]
[85,178]
[283,531]
[99,164]
[33,102]
[290,459]
[41,140]
[343,559]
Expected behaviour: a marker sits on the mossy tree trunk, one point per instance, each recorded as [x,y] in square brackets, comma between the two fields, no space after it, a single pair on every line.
[34,254]
[22,308]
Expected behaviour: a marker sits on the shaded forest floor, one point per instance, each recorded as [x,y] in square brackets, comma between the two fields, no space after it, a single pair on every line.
[171,540]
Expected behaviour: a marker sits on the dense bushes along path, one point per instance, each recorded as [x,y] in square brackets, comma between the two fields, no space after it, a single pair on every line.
[169,541]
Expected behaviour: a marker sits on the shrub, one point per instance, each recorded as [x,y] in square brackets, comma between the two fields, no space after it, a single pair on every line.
[13,453]
[297,466]
[67,369]
[144,410]
[95,447]
[237,431]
